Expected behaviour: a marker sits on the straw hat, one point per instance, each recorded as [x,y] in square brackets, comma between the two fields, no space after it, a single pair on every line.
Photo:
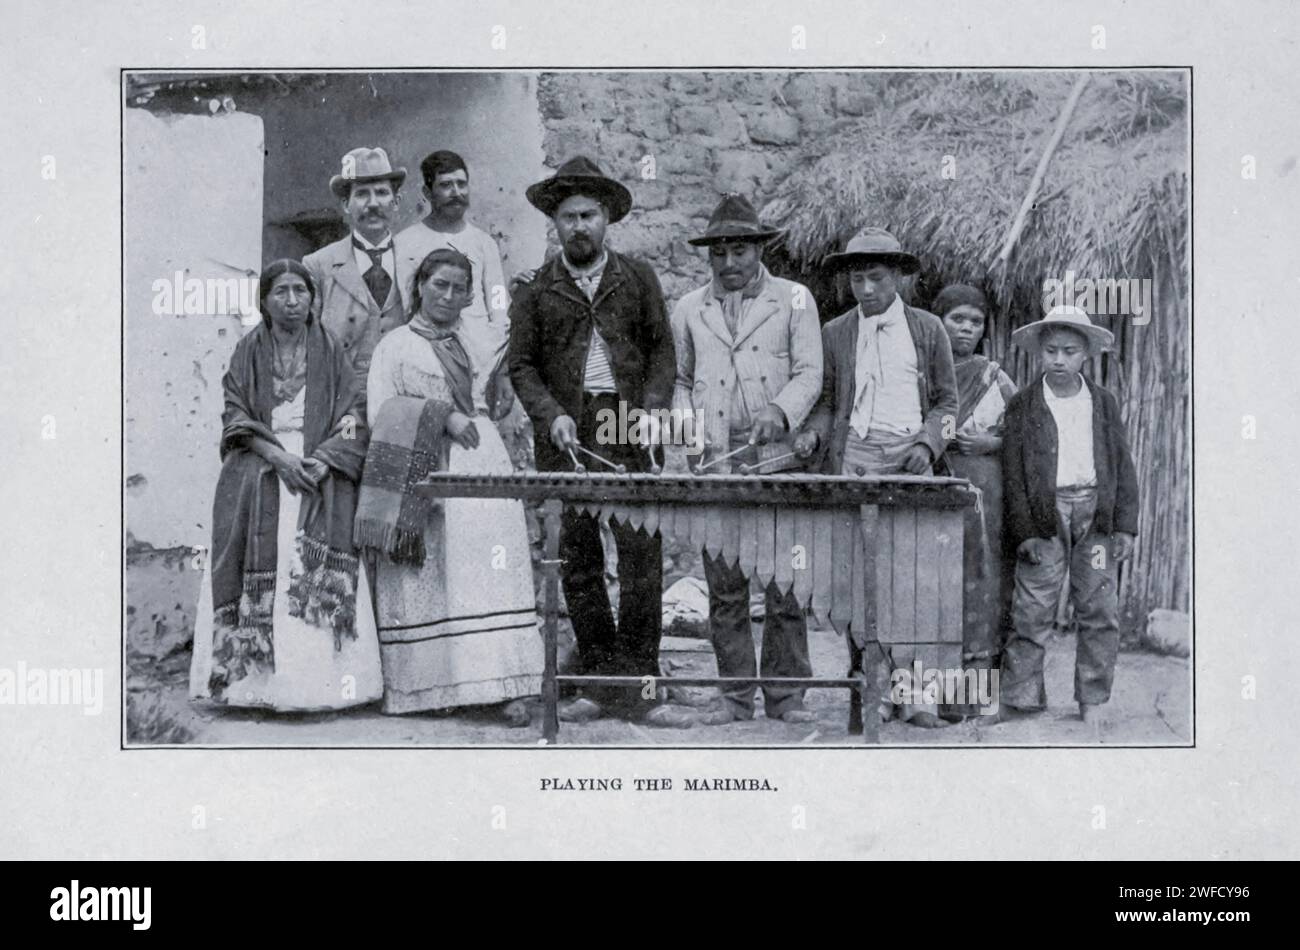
[362,165]
[1099,338]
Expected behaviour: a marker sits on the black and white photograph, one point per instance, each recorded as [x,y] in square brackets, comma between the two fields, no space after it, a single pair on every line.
[470,407]
[762,430]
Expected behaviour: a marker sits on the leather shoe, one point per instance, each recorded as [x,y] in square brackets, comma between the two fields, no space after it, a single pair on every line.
[666,717]
[798,715]
[720,715]
[581,709]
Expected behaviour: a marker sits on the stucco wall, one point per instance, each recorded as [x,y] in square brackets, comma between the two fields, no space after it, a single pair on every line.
[192,201]
[200,195]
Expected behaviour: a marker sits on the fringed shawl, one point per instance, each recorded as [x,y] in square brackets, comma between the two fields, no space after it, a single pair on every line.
[247,503]
[410,441]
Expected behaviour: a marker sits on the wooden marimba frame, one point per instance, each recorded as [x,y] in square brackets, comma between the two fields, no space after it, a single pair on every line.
[882,558]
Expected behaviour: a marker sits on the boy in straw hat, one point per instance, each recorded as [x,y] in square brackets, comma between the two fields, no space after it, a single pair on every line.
[1071,511]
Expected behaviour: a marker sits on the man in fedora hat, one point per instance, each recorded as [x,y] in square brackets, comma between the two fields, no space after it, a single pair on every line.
[358,297]
[749,368]
[590,341]
[1071,511]
[888,403]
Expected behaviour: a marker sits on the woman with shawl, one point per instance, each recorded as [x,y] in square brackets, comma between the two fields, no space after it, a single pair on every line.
[285,619]
[983,391]
[454,581]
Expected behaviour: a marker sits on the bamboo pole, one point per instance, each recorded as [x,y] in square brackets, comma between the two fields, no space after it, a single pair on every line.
[1018,223]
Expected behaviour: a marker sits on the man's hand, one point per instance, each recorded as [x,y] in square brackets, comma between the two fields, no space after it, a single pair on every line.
[768,425]
[649,431]
[977,443]
[462,430]
[522,277]
[1028,551]
[805,443]
[918,459]
[1123,546]
[564,433]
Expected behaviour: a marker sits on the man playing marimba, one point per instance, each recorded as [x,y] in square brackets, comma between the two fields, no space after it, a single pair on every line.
[889,392]
[749,368]
[588,330]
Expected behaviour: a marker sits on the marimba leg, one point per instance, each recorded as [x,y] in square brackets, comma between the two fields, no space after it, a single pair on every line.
[552,508]
[855,696]
[868,694]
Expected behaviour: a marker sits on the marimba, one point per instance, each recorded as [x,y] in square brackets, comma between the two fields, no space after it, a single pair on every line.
[879,558]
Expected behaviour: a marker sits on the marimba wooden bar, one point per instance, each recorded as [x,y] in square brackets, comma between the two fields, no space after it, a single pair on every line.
[879,558]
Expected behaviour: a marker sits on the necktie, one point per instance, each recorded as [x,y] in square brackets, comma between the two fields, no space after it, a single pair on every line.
[376,277]
[869,360]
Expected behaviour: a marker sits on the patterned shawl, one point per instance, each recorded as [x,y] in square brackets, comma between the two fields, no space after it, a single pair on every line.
[245,510]
[975,376]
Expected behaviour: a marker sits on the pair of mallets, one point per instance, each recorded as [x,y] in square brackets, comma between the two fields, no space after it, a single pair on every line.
[619,468]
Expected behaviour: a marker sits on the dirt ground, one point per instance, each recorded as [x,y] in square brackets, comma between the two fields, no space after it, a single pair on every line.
[1150,705]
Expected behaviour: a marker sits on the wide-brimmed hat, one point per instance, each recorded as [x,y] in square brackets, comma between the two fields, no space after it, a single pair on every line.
[874,246]
[734,219]
[362,165]
[1076,318]
[580,176]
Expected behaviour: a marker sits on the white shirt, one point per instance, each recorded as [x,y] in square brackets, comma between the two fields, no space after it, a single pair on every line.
[886,396]
[388,262]
[1073,415]
[489,288]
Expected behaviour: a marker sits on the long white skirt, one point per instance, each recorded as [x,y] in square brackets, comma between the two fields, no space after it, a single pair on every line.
[309,675]
[462,629]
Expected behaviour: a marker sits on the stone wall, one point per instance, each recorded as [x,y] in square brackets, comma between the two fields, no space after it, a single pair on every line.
[680,139]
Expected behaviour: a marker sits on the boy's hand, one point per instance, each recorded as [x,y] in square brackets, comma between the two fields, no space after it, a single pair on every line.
[1028,551]
[805,443]
[918,459]
[1123,548]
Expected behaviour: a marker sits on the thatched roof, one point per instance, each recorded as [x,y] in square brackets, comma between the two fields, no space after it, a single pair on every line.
[1114,193]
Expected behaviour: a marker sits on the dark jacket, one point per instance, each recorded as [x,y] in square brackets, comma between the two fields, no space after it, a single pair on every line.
[936,384]
[1029,467]
[550,331]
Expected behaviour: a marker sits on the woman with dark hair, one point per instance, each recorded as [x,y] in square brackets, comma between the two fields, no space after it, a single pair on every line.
[285,620]
[983,391]
[454,582]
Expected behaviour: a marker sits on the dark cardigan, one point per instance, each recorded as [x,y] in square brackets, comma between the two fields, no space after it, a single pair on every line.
[1029,467]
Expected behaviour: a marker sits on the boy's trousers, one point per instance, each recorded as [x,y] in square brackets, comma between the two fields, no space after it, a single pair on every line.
[1084,560]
